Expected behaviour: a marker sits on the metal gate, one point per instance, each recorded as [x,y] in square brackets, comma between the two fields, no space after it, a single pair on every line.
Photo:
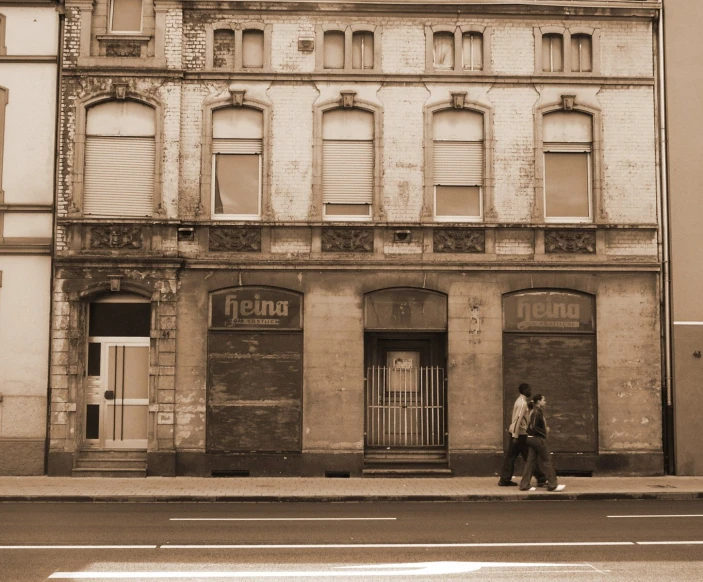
[405,407]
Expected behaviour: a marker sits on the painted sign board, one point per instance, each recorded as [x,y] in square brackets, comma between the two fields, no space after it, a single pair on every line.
[262,308]
[549,311]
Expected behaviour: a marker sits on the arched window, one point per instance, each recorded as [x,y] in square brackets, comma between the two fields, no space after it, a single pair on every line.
[568,145]
[472,51]
[253,49]
[237,145]
[444,50]
[347,164]
[362,50]
[581,53]
[334,49]
[119,160]
[458,156]
[552,53]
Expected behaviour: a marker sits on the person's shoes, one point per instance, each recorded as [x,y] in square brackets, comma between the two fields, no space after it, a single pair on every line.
[542,484]
[557,488]
[507,484]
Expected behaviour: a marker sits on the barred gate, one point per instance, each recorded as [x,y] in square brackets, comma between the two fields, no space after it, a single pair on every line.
[405,407]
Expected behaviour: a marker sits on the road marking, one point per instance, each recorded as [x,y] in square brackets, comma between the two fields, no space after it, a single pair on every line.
[383,546]
[682,543]
[417,569]
[91,547]
[657,515]
[283,518]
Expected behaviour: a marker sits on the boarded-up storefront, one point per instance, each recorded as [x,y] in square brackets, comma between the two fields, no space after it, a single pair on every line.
[255,370]
[549,341]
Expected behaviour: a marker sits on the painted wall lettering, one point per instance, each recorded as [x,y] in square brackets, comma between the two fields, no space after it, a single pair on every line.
[549,311]
[255,308]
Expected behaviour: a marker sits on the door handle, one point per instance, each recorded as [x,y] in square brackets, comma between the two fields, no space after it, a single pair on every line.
[109,394]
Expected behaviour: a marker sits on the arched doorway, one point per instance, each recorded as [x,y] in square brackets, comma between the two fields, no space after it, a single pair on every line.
[117,374]
[405,352]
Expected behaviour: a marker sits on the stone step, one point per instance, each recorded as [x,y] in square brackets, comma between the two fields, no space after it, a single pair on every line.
[406,472]
[109,472]
[132,454]
[136,464]
[404,458]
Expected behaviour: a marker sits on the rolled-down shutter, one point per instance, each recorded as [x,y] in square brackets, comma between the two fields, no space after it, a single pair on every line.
[458,163]
[119,176]
[236,146]
[566,147]
[347,175]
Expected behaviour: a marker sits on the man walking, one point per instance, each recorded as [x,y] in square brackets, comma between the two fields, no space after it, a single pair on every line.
[518,440]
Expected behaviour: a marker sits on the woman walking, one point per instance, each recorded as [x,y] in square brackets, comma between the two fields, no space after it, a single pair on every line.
[537,431]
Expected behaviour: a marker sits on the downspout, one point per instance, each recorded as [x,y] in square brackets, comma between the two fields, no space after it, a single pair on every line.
[663,208]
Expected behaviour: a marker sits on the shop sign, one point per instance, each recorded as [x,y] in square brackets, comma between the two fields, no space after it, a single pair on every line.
[255,308]
[549,311]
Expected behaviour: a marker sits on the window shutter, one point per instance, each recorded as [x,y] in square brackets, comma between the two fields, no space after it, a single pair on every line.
[236,146]
[347,175]
[566,147]
[458,163]
[119,176]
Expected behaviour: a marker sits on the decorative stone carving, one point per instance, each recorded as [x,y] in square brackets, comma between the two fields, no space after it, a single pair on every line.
[235,239]
[568,101]
[458,240]
[348,98]
[458,99]
[347,240]
[570,241]
[116,236]
[131,49]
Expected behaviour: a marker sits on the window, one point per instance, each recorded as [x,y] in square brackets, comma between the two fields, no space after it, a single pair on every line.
[362,50]
[552,53]
[347,164]
[125,16]
[444,50]
[119,160]
[472,51]
[568,144]
[334,49]
[457,164]
[237,140]
[581,53]
[253,49]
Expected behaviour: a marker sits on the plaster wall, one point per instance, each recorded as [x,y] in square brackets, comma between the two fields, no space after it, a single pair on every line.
[31,30]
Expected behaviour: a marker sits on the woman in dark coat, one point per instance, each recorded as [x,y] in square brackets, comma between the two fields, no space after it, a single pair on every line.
[537,431]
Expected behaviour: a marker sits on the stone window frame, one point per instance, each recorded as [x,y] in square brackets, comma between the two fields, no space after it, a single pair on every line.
[78,174]
[3,24]
[488,146]
[348,30]
[458,31]
[206,157]
[238,28]
[317,210]
[599,216]
[566,34]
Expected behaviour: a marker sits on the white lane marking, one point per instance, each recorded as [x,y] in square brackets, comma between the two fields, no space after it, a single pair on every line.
[417,569]
[283,518]
[662,515]
[372,546]
[83,547]
[681,543]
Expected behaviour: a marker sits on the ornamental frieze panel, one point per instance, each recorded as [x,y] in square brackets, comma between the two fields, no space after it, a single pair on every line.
[347,240]
[117,236]
[458,240]
[131,49]
[570,241]
[240,240]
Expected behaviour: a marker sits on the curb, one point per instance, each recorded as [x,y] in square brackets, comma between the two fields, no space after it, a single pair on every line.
[537,496]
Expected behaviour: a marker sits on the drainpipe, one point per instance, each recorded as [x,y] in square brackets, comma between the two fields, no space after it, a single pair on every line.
[663,208]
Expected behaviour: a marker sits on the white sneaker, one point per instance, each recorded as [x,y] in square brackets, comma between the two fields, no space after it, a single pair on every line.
[532,489]
[558,488]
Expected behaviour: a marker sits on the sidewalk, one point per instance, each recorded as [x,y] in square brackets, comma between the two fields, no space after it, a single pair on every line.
[196,489]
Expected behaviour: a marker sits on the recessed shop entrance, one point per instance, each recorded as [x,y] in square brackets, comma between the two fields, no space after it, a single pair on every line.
[405,347]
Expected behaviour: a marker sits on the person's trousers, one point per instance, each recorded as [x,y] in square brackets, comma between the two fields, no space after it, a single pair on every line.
[538,454]
[518,446]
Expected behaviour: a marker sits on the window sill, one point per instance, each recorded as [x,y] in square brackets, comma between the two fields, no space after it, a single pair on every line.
[122,62]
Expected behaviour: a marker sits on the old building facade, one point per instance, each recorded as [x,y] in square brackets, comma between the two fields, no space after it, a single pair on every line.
[324,239]
[29,47]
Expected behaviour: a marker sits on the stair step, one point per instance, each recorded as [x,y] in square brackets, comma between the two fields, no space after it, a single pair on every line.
[405,459]
[406,472]
[110,464]
[110,472]
[109,455]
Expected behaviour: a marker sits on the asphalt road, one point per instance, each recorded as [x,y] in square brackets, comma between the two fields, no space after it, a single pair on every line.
[505,541]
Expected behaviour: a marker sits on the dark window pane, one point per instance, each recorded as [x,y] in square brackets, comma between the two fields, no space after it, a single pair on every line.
[253,49]
[93,359]
[92,421]
[120,319]
[458,201]
[334,50]
[566,185]
[237,184]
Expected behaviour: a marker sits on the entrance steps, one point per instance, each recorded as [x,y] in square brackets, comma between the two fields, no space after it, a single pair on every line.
[118,463]
[406,463]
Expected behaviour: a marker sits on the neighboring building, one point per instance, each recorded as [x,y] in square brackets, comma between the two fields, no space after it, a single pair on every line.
[684,79]
[318,238]
[29,41]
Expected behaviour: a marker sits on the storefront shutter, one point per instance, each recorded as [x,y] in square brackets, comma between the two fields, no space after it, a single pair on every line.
[566,147]
[458,163]
[347,176]
[119,176]
[236,146]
